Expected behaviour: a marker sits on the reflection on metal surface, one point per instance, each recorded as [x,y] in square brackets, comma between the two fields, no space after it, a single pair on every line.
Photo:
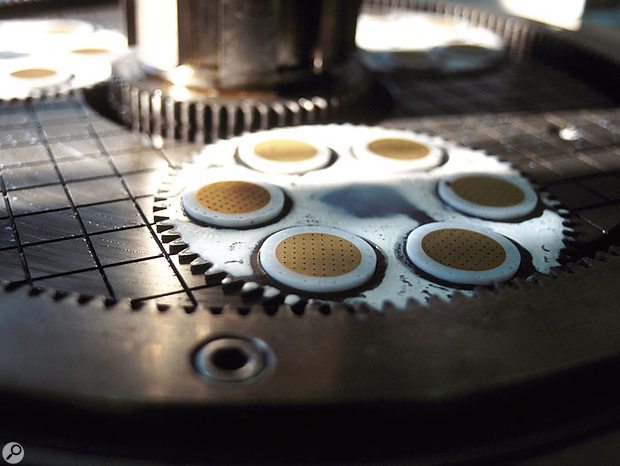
[356,194]
[233,359]
[561,13]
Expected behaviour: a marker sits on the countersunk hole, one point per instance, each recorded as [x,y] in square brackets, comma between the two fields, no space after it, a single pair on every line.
[229,359]
[232,359]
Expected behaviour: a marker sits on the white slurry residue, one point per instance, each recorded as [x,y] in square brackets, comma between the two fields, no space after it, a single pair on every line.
[381,207]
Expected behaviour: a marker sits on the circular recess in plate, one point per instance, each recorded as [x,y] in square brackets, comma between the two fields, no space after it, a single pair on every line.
[283,155]
[488,196]
[461,253]
[318,259]
[396,152]
[234,203]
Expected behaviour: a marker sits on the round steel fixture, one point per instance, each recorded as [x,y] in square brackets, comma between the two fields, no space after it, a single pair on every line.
[232,359]
[205,70]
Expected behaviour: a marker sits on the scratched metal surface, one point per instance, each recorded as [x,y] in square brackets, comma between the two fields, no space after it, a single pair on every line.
[77,216]
[78,189]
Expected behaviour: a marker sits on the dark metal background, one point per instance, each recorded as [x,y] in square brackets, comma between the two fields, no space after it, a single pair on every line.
[510,373]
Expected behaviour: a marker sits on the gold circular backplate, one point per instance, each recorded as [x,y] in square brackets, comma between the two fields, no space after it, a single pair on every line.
[487,191]
[33,73]
[285,150]
[233,197]
[463,249]
[90,51]
[318,254]
[398,149]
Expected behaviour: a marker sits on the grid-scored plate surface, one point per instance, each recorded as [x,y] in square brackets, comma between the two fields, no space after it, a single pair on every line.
[78,190]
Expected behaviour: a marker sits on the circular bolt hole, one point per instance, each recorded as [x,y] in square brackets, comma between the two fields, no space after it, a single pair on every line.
[232,359]
[229,359]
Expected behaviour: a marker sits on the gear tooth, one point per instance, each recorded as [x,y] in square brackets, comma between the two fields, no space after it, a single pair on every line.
[144,106]
[270,292]
[214,276]
[248,118]
[584,262]
[284,311]
[458,296]
[295,303]
[164,192]
[161,216]
[568,232]
[161,307]
[279,113]
[183,121]
[600,256]
[294,113]
[229,309]
[137,305]
[169,236]
[35,291]
[262,116]
[480,291]
[176,246]
[214,118]
[160,205]
[199,122]
[309,111]
[505,287]
[255,309]
[325,309]
[12,286]
[156,113]
[199,265]
[169,118]
[186,256]
[312,308]
[164,225]
[84,298]
[362,309]
[322,107]
[434,301]
[60,295]
[389,307]
[251,289]
[214,310]
[231,285]
[341,309]
[111,303]
[518,283]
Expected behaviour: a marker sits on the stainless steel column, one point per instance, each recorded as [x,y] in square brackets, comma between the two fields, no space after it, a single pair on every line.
[241,44]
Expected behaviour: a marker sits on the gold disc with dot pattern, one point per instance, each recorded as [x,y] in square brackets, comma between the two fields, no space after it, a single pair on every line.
[33,73]
[488,196]
[463,254]
[233,197]
[463,249]
[488,191]
[318,254]
[398,149]
[283,155]
[234,203]
[318,259]
[285,150]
